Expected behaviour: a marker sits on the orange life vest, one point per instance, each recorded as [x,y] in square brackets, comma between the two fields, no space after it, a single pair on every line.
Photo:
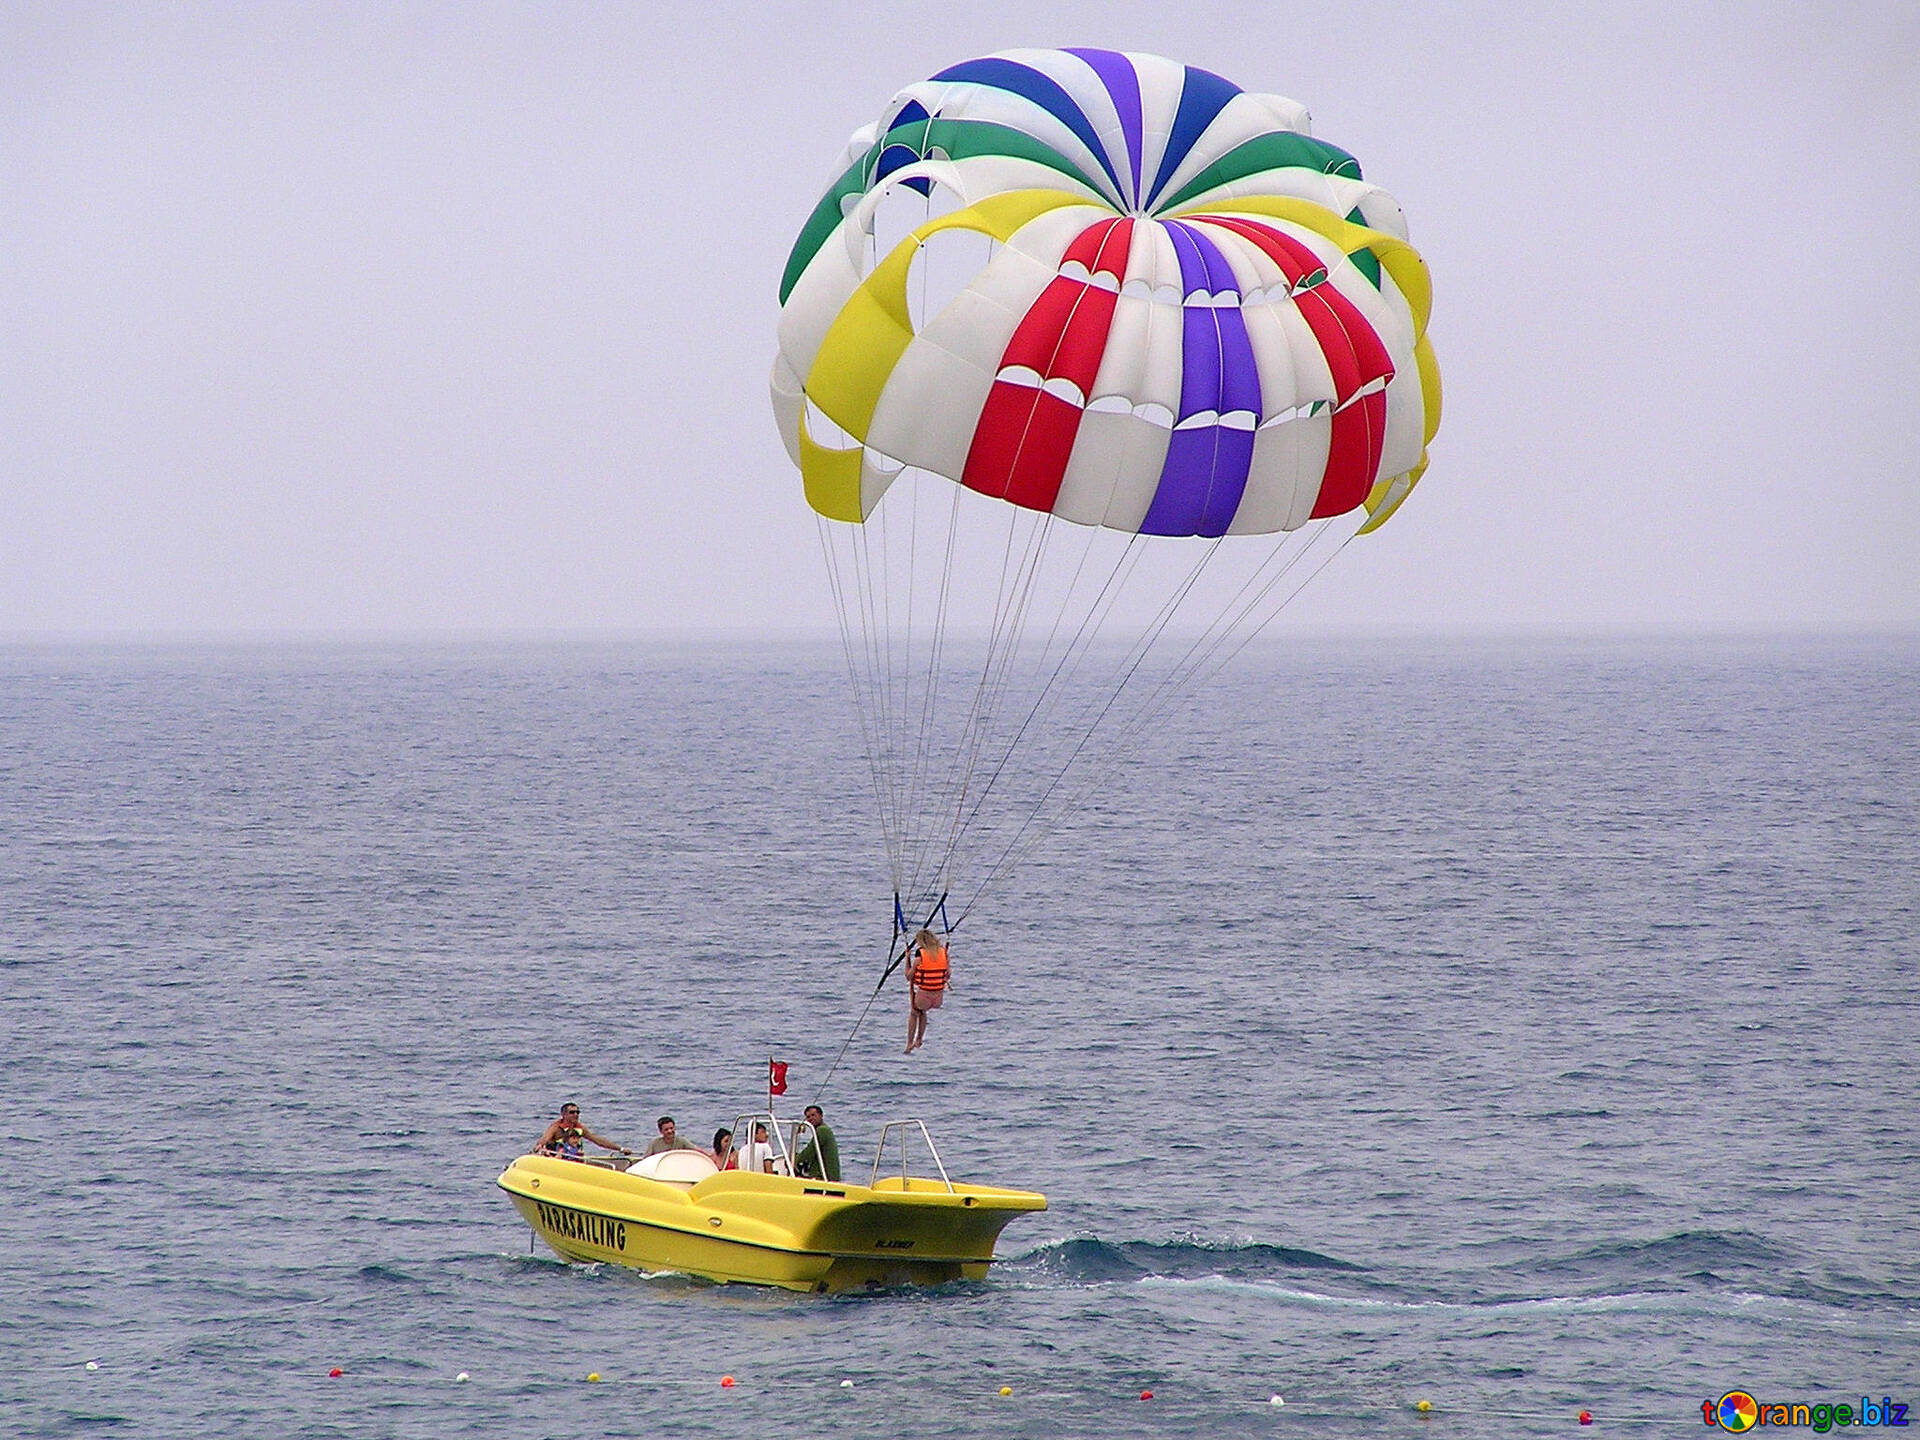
[930,971]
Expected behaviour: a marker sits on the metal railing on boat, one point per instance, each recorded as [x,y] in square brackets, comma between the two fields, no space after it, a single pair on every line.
[906,1128]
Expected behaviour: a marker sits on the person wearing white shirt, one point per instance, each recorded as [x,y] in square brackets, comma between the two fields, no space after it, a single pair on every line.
[759,1156]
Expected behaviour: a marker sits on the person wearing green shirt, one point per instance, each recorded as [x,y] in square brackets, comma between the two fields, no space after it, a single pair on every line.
[819,1159]
[668,1139]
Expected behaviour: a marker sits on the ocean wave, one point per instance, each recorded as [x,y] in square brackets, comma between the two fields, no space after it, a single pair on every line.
[1684,1254]
[1384,1300]
[1088,1260]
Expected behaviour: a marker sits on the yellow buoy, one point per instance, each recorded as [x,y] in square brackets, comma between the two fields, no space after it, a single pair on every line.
[1424,1406]
[593,1375]
[1006,1389]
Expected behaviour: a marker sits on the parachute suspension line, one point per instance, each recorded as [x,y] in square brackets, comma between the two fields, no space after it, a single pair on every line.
[1122,741]
[1038,535]
[1138,652]
[1183,670]
[924,769]
[1208,644]
[1129,667]
[1173,680]
[1141,726]
[868,689]
[936,650]
[997,675]
[889,712]
[1205,668]
[906,656]
[837,581]
[1286,599]
[879,601]
[1176,681]
[952,792]
[1046,649]
[1068,665]
[1042,537]
[861,1018]
[1135,656]
[873,577]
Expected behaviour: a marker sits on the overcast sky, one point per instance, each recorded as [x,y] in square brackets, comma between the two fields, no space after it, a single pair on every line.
[404,318]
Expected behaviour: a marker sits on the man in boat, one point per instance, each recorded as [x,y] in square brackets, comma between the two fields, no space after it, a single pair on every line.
[567,1137]
[819,1158]
[668,1140]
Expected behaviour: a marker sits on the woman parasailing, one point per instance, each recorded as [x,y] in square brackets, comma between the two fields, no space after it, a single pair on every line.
[928,976]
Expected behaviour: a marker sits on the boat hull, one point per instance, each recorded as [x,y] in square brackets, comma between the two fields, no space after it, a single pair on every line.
[752,1229]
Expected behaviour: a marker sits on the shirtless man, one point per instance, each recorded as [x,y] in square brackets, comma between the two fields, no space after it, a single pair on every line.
[566,1137]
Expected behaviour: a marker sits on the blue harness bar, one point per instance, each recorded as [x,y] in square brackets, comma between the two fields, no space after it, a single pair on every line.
[900,925]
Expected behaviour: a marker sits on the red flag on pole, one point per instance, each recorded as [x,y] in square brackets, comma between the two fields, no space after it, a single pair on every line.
[776,1077]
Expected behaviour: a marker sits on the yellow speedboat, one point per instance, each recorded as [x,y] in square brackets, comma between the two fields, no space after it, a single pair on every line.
[676,1211]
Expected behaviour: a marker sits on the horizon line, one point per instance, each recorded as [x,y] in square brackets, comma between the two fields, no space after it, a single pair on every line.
[504,636]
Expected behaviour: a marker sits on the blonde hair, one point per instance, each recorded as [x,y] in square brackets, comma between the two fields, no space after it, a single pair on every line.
[927,940]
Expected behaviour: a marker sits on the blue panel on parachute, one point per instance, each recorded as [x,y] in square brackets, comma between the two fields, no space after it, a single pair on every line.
[898,157]
[1042,90]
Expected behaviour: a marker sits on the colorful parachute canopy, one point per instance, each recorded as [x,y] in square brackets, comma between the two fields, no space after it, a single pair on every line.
[1192,317]
[1114,291]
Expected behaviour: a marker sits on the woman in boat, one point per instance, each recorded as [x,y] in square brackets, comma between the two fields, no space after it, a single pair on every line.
[723,1155]
[567,1137]
[928,976]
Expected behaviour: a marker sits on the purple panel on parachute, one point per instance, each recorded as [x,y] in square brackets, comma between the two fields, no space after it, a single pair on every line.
[1205,472]
[1199,336]
[1116,72]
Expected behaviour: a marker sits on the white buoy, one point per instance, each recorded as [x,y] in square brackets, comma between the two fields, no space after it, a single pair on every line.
[1276,1400]
[93,1364]
[461,1378]
[846,1384]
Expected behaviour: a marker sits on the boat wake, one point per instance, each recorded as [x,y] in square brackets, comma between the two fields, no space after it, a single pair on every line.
[1087,1260]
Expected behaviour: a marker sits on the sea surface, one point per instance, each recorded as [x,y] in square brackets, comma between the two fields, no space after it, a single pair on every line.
[1521,1027]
